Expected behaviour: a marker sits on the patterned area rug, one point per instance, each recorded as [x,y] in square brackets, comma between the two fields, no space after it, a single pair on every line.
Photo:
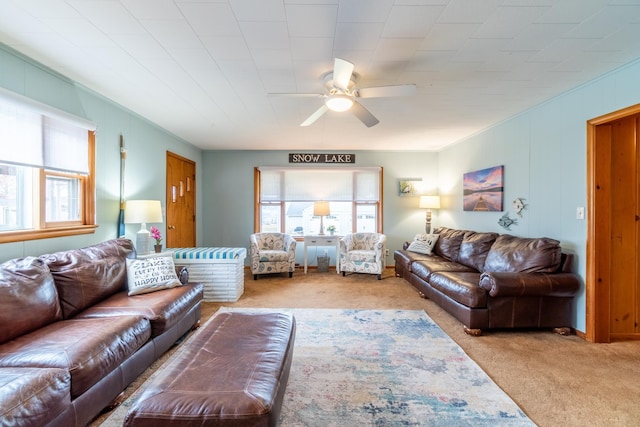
[382,368]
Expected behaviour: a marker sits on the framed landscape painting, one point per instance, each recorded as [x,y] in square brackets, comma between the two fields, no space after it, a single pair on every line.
[409,186]
[484,190]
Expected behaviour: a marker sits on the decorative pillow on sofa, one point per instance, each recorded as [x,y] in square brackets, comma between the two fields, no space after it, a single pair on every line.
[423,243]
[151,274]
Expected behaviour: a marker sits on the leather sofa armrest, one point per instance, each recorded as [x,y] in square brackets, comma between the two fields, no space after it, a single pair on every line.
[183,274]
[530,284]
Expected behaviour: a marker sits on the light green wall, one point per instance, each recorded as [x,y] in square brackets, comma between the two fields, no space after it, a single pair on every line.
[228,193]
[543,151]
[146,150]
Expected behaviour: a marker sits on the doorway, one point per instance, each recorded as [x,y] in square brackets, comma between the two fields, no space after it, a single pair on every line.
[181,202]
[613,228]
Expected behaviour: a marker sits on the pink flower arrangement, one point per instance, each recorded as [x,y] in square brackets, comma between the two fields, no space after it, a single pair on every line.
[155,233]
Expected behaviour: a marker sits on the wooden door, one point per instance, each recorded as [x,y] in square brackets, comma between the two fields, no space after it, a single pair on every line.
[624,224]
[181,202]
[613,265]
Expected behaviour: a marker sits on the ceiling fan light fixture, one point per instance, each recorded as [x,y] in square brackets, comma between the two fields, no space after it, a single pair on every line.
[339,103]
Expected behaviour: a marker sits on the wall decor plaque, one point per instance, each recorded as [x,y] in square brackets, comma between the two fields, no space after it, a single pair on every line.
[321,158]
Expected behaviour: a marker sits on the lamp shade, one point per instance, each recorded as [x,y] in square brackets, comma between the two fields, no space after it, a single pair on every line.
[321,208]
[430,202]
[142,211]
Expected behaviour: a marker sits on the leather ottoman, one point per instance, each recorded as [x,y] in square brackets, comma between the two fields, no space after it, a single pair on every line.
[232,372]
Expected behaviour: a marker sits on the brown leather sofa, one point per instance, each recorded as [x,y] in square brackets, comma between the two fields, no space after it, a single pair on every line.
[71,339]
[490,281]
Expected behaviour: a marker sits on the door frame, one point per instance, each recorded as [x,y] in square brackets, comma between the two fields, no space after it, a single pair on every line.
[598,283]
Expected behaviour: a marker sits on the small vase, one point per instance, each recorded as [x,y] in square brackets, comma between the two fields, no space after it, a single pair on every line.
[158,248]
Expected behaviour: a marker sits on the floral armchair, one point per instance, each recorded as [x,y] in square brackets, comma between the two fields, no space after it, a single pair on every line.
[363,253]
[272,253]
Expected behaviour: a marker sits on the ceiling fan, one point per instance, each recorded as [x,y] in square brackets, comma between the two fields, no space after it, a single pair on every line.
[342,94]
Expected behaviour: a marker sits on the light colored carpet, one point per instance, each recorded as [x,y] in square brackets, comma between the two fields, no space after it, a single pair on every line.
[556,380]
[382,368]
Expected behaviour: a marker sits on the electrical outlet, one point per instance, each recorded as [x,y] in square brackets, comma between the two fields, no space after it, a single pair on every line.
[580,212]
[386,252]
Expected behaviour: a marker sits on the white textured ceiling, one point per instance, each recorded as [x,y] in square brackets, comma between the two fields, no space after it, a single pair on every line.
[202,68]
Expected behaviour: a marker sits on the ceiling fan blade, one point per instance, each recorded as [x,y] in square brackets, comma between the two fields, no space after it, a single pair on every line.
[385,91]
[315,116]
[342,71]
[364,115]
[317,95]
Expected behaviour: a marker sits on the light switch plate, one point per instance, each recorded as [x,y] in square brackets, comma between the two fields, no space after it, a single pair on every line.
[580,212]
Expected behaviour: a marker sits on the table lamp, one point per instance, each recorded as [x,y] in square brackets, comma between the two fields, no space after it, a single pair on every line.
[321,209]
[428,203]
[143,212]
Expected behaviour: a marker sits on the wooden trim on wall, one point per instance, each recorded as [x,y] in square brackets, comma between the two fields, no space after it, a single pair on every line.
[256,200]
[90,182]
[380,225]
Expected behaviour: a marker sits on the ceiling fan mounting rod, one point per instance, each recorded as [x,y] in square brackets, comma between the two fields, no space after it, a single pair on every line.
[337,91]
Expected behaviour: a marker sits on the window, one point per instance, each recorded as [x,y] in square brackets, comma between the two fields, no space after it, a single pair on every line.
[286,196]
[46,185]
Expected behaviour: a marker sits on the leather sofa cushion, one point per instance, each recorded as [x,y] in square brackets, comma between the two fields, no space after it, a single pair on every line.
[88,275]
[33,396]
[28,297]
[406,258]
[163,308]
[461,287]
[527,255]
[448,244]
[88,349]
[474,249]
[425,268]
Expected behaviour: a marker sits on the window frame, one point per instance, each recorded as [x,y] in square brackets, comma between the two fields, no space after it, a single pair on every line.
[86,225]
[257,209]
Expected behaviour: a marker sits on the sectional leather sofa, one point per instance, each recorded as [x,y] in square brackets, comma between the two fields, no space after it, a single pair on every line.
[492,281]
[72,339]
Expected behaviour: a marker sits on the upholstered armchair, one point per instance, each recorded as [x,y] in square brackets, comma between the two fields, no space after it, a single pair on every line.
[363,253]
[272,253]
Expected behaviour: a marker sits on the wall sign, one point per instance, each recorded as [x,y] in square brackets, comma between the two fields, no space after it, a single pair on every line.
[321,158]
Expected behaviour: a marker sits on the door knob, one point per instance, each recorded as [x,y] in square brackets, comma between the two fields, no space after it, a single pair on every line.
[171,227]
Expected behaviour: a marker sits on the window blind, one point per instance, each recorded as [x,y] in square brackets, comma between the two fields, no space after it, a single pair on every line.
[36,135]
[65,146]
[330,184]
